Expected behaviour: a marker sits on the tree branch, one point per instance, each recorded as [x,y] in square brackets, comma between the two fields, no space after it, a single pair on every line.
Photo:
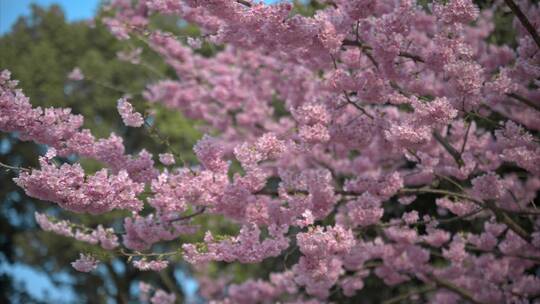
[364,47]
[121,287]
[524,21]
[465,294]
[410,293]
[165,277]
[524,100]
[500,214]
[13,168]
[451,150]
[508,221]
[244,3]
[189,216]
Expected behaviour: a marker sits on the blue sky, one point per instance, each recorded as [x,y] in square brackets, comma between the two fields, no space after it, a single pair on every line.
[75,10]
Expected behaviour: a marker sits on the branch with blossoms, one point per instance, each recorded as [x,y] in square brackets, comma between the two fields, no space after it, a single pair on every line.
[372,141]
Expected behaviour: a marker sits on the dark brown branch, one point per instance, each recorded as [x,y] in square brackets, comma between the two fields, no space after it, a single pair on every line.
[449,148]
[503,217]
[349,101]
[296,192]
[13,168]
[524,100]
[415,58]
[244,3]
[121,287]
[168,279]
[164,140]
[523,212]
[498,253]
[407,295]
[524,21]
[348,42]
[500,214]
[440,221]
[189,216]
[466,138]
[364,47]
[465,294]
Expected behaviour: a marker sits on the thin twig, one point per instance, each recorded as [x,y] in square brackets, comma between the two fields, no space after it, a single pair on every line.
[414,57]
[189,216]
[154,132]
[13,168]
[523,212]
[413,153]
[460,291]
[244,3]
[465,139]
[440,191]
[440,221]
[450,180]
[110,86]
[500,214]
[455,218]
[365,48]
[498,253]
[137,253]
[407,295]
[152,69]
[349,101]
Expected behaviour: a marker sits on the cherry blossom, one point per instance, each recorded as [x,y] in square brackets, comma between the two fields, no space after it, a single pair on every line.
[372,140]
[85,263]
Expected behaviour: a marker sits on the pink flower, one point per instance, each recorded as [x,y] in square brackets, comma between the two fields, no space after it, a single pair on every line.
[488,186]
[167,159]
[195,43]
[76,74]
[462,11]
[316,119]
[133,56]
[155,265]
[161,297]
[210,154]
[85,263]
[130,117]
[68,186]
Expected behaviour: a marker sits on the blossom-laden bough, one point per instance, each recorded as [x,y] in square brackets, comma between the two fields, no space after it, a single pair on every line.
[386,104]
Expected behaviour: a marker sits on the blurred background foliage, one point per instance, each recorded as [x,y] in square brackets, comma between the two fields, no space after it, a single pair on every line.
[40,51]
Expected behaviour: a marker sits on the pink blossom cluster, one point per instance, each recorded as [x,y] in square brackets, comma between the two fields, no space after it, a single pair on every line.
[69,187]
[61,129]
[76,74]
[85,263]
[358,139]
[321,264]
[245,248]
[142,232]
[167,159]
[159,296]
[130,117]
[105,237]
[155,265]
